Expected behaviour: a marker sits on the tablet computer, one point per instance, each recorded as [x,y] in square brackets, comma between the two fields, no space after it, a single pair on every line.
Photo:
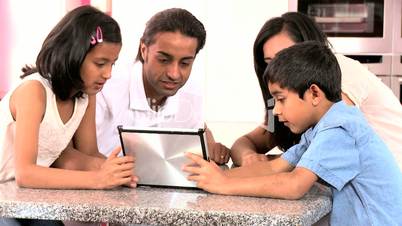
[159,153]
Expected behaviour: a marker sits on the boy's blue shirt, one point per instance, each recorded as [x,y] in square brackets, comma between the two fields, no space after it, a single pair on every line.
[345,152]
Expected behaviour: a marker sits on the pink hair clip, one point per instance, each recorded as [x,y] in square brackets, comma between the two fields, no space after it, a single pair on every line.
[99,36]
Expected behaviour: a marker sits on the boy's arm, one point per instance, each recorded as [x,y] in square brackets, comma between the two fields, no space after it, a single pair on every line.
[285,185]
[262,168]
[274,179]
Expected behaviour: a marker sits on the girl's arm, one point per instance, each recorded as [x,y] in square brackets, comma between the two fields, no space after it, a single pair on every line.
[85,137]
[114,172]
[283,182]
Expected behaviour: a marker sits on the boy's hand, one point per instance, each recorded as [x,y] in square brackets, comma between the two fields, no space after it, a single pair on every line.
[116,171]
[207,175]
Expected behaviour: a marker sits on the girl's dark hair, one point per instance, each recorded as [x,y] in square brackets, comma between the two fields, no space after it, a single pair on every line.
[300,28]
[66,46]
[172,20]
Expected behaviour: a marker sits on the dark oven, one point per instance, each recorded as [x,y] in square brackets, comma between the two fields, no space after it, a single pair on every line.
[366,30]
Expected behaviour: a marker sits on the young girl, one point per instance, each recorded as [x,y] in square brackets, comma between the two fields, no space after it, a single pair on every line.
[51,115]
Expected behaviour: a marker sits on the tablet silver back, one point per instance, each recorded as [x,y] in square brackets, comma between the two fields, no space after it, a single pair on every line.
[159,157]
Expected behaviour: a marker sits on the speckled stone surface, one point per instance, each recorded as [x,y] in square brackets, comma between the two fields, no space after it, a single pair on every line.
[161,206]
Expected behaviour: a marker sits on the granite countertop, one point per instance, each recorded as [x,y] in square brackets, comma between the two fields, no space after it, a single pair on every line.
[161,206]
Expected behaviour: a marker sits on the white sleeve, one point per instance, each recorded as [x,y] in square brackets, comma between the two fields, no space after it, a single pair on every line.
[355,82]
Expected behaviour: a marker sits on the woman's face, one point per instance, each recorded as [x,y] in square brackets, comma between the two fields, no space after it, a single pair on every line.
[275,44]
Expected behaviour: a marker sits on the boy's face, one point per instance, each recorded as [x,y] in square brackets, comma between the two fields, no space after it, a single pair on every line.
[167,63]
[295,113]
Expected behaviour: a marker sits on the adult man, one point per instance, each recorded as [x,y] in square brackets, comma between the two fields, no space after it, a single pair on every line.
[147,93]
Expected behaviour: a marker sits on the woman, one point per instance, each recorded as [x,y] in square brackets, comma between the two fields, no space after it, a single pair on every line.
[359,87]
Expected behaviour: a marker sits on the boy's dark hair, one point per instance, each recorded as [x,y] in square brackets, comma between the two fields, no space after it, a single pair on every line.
[66,47]
[172,20]
[300,28]
[298,67]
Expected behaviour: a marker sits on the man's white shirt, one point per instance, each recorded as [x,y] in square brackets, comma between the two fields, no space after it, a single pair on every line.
[122,101]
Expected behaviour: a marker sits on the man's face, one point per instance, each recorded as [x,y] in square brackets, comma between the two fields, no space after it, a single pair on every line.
[167,63]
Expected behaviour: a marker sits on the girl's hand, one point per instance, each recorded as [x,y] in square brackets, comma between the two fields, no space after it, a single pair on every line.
[207,175]
[116,171]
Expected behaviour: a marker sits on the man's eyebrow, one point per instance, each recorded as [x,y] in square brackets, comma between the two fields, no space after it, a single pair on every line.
[164,54]
[170,56]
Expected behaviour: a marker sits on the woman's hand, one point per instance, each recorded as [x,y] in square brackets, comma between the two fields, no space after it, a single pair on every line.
[116,171]
[207,175]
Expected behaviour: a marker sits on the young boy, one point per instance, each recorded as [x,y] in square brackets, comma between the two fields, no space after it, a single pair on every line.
[337,146]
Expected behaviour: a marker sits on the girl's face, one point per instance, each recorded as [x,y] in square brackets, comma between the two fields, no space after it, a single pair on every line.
[97,66]
[275,44]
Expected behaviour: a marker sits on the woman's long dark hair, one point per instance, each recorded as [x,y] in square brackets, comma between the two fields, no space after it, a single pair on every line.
[66,46]
[300,28]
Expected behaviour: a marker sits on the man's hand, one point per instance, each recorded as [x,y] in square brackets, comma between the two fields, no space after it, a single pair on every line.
[218,153]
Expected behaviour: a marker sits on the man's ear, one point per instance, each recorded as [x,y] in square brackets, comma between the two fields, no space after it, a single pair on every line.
[316,94]
[143,49]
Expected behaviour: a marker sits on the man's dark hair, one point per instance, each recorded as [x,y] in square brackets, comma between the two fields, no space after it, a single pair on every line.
[172,20]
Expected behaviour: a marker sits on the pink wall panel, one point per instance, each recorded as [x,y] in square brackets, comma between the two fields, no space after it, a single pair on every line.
[5,41]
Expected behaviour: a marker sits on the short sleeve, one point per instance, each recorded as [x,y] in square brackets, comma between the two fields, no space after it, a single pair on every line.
[294,153]
[354,79]
[332,156]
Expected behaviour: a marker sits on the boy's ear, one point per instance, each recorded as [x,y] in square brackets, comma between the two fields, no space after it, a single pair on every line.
[316,94]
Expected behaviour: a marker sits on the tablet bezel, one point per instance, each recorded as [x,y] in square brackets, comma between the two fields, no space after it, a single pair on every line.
[201,133]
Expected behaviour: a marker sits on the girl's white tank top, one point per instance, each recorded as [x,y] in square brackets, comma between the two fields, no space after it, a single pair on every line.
[54,135]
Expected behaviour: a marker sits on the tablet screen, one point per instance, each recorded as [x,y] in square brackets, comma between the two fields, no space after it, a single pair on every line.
[159,153]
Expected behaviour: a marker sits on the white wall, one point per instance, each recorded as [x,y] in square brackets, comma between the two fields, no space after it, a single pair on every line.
[224,68]
[31,21]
